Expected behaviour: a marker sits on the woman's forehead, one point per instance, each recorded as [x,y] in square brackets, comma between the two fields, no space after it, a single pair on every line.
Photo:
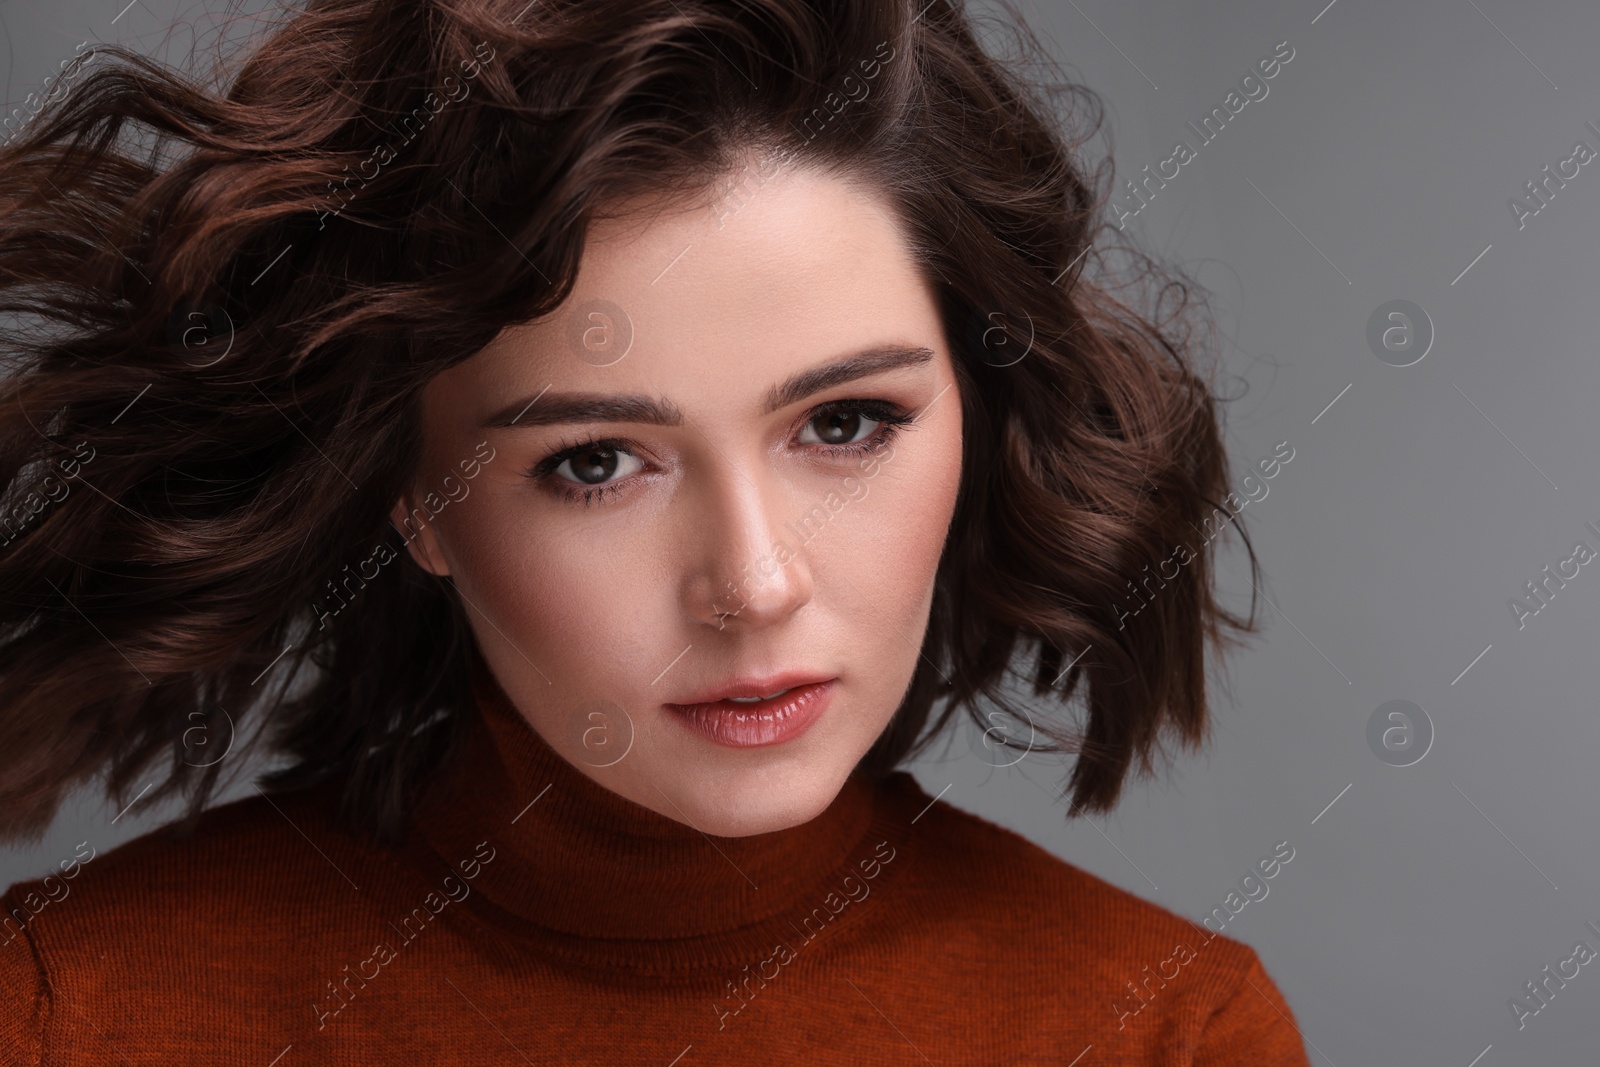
[808,269]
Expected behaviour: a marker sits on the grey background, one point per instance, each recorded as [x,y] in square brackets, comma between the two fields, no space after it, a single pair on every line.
[1420,898]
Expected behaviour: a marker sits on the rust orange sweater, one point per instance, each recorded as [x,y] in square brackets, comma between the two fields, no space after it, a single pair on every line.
[534,917]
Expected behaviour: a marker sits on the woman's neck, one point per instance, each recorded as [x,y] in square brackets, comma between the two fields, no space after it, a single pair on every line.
[599,878]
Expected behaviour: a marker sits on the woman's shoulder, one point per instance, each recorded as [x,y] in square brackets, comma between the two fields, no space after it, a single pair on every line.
[259,877]
[962,850]
[1135,971]
[261,851]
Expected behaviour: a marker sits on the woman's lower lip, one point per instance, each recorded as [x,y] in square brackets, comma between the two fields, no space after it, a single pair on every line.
[766,722]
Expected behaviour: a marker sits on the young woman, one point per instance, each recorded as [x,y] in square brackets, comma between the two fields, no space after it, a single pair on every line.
[590,446]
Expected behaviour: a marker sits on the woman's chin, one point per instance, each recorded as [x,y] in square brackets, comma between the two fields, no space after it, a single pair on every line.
[748,802]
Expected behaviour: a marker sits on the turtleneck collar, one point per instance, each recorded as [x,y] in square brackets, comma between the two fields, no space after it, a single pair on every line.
[594,877]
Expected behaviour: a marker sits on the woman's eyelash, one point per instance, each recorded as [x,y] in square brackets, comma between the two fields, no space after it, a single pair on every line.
[555,459]
[889,417]
[545,471]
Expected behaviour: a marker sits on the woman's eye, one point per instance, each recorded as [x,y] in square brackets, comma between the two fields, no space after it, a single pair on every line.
[841,426]
[597,465]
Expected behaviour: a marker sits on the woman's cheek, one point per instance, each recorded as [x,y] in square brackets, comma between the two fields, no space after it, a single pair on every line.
[902,526]
[564,585]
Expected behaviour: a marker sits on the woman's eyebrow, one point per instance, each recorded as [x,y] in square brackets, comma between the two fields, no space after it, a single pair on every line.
[868,361]
[544,409]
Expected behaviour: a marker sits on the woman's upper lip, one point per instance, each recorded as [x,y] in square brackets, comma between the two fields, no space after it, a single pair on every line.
[754,687]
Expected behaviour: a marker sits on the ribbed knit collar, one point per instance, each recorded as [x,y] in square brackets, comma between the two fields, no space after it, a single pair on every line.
[594,877]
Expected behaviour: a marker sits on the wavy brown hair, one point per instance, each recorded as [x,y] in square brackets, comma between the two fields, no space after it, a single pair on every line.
[228,295]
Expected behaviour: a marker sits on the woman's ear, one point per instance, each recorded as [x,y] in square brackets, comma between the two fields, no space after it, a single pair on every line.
[412,524]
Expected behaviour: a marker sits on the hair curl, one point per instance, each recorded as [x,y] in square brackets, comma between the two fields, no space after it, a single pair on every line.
[233,296]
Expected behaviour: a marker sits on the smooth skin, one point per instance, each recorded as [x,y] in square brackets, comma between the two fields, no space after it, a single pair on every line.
[646,567]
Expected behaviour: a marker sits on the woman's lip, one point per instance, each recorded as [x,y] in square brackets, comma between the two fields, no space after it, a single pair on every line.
[754,687]
[766,722]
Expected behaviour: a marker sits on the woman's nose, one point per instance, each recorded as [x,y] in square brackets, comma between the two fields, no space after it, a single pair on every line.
[747,566]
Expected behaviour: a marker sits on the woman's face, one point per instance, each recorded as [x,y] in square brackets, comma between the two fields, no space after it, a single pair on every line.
[725,467]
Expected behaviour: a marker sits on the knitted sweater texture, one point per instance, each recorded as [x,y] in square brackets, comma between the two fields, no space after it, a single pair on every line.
[532,916]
